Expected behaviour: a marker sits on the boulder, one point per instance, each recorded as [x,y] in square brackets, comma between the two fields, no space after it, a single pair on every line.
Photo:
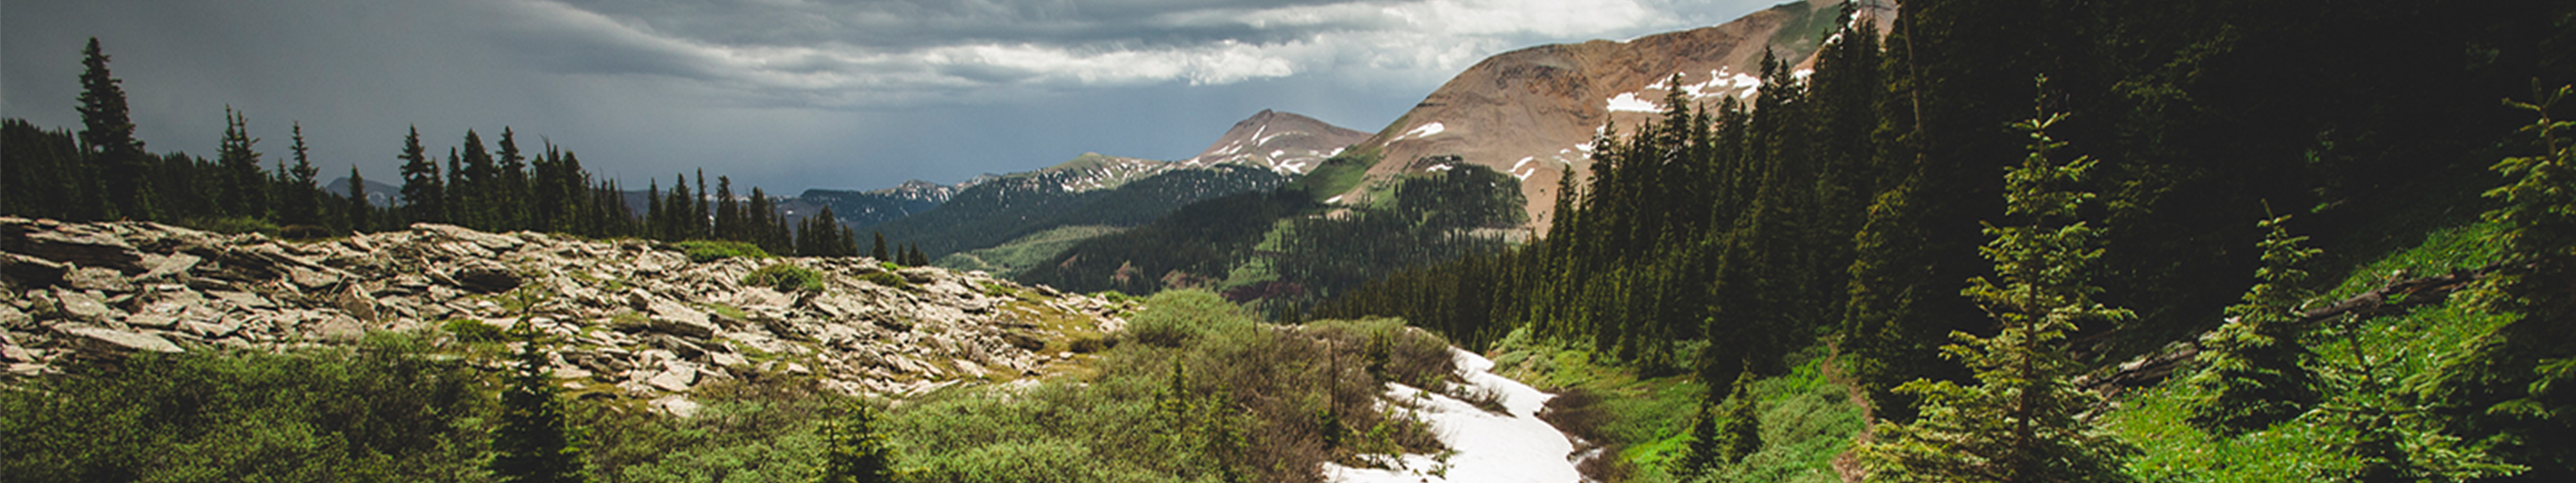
[98,278]
[676,319]
[676,376]
[85,306]
[32,271]
[486,277]
[117,341]
[84,248]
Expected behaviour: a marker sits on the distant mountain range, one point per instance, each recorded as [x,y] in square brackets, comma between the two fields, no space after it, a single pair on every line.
[379,194]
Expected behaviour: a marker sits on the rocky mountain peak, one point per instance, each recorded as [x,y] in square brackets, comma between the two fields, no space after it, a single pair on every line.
[1283,142]
[1534,112]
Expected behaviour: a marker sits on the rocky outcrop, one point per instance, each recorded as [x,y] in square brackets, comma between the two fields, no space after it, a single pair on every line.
[630,314]
[1534,112]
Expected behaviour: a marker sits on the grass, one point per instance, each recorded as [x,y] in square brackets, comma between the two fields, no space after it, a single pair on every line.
[1023,252]
[2397,347]
[1806,420]
[703,251]
[1337,175]
[786,278]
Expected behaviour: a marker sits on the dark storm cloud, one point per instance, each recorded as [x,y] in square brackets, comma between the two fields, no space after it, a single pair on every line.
[785,94]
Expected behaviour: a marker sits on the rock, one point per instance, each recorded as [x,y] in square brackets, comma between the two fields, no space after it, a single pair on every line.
[174,264]
[85,306]
[676,319]
[119,341]
[353,300]
[313,279]
[727,359]
[676,406]
[486,277]
[795,368]
[84,248]
[152,320]
[32,271]
[487,241]
[98,278]
[676,376]
[11,318]
[339,328]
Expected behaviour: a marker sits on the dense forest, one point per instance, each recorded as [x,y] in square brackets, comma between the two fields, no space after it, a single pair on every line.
[2000,196]
[103,172]
[998,211]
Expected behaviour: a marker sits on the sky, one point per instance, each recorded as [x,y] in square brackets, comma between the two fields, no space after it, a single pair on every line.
[782,94]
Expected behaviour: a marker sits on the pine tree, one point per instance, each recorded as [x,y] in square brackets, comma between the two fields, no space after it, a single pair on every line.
[116,160]
[729,217]
[509,191]
[2519,381]
[422,196]
[856,451]
[2251,377]
[535,443]
[478,194]
[244,185]
[358,206]
[2019,422]
[879,252]
[299,199]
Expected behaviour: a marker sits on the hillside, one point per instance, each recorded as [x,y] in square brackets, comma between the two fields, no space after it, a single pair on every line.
[1092,190]
[644,319]
[1279,141]
[862,209]
[1533,113]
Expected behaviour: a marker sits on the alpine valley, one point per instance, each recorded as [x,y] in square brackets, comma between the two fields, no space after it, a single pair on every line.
[1825,241]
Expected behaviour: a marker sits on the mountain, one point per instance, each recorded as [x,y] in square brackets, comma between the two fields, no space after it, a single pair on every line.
[1534,112]
[379,194]
[1283,142]
[862,209]
[1090,190]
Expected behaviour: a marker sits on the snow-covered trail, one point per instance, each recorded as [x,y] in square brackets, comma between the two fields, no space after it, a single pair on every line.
[1491,448]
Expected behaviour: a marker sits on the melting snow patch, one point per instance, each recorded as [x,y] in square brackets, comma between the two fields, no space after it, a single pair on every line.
[1440,168]
[1629,102]
[1514,447]
[1336,152]
[1275,154]
[1336,199]
[1424,131]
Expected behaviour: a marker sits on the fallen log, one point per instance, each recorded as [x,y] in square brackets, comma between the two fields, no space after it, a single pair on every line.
[2389,298]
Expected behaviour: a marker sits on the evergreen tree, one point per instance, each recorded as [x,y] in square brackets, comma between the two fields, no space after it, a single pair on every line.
[115,158]
[300,199]
[458,188]
[2250,376]
[535,442]
[2019,422]
[510,191]
[243,185]
[856,451]
[476,196]
[358,207]
[654,212]
[879,251]
[422,196]
[729,217]
[2519,381]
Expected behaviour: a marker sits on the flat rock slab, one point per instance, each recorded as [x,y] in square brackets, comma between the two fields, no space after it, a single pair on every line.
[123,340]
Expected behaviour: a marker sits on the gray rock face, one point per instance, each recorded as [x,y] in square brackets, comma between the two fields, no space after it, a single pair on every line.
[634,314]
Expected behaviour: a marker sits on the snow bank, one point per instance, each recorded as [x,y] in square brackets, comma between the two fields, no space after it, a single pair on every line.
[1424,131]
[1629,102]
[1491,448]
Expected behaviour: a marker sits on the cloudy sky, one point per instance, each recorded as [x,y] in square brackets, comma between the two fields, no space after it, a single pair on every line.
[782,94]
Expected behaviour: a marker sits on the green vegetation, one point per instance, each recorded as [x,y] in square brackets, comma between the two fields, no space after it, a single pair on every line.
[1336,175]
[1024,252]
[376,411]
[473,331]
[785,278]
[1006,209]
[888,279]
[703,251]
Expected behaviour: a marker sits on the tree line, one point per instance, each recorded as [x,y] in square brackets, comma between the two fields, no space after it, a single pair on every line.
[1852,205]
[102,172]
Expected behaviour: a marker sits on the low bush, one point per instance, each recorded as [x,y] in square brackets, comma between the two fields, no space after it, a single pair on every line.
[470,330]
[703,251]
[889,279]
[1181,316]
[232,225]
[786,278]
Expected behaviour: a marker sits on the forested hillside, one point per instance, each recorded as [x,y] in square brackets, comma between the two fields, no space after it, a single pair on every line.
[2098,172]
[1000,210]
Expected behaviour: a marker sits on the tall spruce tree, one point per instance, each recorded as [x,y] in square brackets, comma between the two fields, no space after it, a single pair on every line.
[2019,421]
[243,185]
[856,450]
[510,192]
[422,197]
[2519,381]
[300,200]
[536,442]
[358,207]
[116,160]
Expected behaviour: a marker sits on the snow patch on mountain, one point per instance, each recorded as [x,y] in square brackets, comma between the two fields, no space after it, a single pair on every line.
[1512,447]
[1629,102]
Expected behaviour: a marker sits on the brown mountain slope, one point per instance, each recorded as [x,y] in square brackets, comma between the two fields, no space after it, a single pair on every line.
[1286,143]
[1534,112]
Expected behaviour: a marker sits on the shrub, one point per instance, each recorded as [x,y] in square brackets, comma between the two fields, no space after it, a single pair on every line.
[889,279]
[1181,316]
[470,330]
[703,251]
[786,278]
[232,226]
